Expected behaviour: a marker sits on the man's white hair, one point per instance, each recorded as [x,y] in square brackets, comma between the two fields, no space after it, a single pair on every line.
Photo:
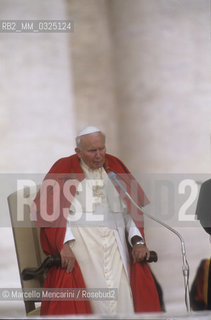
[85,131]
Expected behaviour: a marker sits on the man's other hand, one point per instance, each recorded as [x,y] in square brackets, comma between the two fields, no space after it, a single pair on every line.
[140,253]
[67,257]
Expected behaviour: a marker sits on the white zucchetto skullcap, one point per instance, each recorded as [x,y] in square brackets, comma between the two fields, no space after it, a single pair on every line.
[88,130]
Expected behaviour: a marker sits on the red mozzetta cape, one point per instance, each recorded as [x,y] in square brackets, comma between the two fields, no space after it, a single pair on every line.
[52,234]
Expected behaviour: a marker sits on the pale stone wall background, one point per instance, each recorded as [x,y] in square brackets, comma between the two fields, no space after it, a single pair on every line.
[138,69]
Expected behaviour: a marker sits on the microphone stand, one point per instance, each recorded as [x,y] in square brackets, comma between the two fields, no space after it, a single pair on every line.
[185,267]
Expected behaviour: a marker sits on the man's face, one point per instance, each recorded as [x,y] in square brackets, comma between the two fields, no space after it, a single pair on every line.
[92,150]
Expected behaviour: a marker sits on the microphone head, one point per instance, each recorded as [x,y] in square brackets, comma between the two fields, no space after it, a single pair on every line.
[112,175]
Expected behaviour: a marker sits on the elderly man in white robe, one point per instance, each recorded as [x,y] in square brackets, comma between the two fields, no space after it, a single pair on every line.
[96,238]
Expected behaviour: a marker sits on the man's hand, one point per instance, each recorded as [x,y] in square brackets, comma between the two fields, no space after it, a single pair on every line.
[67,257]
[140,252]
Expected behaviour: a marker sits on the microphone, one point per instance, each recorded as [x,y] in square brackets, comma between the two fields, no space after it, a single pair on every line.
[113,176]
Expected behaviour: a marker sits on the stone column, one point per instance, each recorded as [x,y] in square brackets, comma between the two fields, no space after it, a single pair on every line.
[91,54]
[37,115]
[162,66]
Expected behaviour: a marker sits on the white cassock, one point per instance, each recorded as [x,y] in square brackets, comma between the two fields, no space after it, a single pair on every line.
[95,230]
